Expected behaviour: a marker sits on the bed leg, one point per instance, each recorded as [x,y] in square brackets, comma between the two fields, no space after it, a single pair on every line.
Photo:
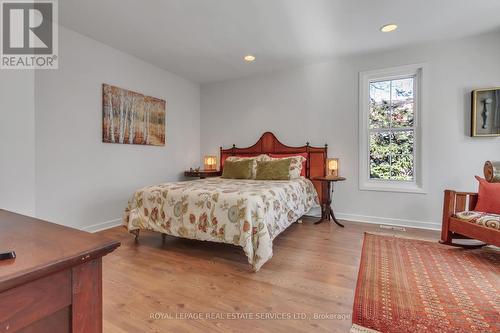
[136,233]
[163,238]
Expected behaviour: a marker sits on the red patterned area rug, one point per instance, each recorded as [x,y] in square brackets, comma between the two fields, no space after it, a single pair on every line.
[407,285]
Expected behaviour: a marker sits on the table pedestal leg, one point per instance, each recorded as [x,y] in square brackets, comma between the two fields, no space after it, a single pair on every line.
[334,219]
[324,215]
[326,209]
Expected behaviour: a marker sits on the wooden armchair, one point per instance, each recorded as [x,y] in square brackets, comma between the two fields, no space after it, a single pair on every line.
[454,228]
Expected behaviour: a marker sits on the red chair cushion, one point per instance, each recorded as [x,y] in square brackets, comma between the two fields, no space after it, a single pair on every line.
[489,197]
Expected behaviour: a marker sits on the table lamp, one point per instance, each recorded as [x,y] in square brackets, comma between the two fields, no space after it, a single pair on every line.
[332,167]
[210,162]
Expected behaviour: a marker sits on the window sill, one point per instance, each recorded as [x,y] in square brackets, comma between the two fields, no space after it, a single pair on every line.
[391,187]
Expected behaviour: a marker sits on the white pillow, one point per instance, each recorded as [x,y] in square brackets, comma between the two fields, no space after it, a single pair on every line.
[295,165]
[261,157]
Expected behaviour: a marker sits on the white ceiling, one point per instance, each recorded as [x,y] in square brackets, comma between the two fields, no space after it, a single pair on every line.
[205,40]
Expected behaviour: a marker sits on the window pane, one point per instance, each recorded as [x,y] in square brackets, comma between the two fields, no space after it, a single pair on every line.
[402,167]
[391,155]
[402,102]
[380,143]
[402,143]
[380,103]
[380,167]
[402,89]
[380,156]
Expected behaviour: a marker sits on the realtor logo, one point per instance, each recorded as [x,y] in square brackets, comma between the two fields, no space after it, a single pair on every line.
[29,34]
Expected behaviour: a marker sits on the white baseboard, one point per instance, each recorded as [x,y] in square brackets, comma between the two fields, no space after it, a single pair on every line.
[389,221]
[102,226]
[314,213]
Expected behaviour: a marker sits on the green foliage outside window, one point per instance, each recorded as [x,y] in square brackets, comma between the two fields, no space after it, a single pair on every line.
[391,130]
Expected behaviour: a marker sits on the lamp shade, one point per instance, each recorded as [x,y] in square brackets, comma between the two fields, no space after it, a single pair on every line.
[210,162]
[332,167]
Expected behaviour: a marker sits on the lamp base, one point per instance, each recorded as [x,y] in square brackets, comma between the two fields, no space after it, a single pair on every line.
[333,173]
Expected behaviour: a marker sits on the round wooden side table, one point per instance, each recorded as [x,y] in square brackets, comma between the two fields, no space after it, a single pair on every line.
[202,174]
[326,209]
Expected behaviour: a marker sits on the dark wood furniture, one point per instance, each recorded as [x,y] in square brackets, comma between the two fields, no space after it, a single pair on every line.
[55,282]
[454,228]
[269,144]
[202,174]
[326,208]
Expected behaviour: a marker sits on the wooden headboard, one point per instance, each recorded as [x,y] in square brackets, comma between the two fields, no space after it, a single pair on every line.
[269,144]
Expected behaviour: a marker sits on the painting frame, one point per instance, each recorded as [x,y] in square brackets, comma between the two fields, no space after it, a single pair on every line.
[485,110]
[130,117]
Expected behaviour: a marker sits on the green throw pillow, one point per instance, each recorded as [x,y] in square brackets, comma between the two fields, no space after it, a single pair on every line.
[238,169]
[273,170]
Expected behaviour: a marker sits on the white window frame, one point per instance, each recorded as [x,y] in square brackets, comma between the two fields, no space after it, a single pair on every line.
[365,78]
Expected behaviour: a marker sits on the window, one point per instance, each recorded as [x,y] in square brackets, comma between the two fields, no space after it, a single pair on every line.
[390,129]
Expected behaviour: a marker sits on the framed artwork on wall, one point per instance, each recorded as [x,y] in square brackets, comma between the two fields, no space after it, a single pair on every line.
[129,117]
[485,115]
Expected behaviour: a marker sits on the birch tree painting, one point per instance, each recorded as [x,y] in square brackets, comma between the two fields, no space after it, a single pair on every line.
[132,118]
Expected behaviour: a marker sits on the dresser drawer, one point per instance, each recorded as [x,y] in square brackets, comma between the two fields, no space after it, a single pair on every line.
[23,305]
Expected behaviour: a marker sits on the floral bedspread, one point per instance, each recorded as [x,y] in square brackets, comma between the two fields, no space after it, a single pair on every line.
[247,213]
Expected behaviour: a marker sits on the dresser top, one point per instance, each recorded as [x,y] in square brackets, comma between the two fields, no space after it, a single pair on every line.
[43,248]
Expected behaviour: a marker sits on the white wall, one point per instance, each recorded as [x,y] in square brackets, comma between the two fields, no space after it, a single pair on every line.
[81,181]
[319,103]
[17,141]
[53,164]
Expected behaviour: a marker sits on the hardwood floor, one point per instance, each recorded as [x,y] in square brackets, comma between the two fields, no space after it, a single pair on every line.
[154,287]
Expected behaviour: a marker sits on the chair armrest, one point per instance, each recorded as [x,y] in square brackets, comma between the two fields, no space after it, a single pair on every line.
[457,202]
[449,203]
[466,193]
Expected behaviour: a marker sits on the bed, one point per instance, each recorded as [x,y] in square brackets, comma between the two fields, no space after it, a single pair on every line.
[247,213]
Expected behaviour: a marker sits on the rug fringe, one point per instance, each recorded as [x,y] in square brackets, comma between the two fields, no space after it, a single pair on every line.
[360,329]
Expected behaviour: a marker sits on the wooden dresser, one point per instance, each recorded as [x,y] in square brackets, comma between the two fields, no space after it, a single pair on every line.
[55,283]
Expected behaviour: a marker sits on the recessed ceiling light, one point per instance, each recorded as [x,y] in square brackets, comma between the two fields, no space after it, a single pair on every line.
[388,27]
[249,58]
